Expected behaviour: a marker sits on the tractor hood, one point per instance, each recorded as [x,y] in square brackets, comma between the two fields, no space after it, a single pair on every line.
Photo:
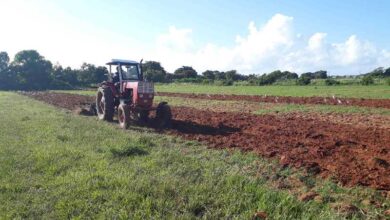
[140,87]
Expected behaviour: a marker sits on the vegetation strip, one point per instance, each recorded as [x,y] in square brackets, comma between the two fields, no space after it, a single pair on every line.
[379,103]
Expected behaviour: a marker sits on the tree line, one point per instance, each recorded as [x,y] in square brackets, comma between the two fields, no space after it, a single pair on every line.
[31,71]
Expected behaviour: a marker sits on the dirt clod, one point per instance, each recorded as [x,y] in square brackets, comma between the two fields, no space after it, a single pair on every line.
[260,215]
[307,196]
[346,209]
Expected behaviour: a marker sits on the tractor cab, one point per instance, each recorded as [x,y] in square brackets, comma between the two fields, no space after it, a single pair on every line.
[125,70]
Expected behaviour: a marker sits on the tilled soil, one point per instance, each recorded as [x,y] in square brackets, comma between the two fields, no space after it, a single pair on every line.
[353,155]
[350,154]
[377,103]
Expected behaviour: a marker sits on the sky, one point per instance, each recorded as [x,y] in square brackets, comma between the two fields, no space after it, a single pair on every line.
[253,36]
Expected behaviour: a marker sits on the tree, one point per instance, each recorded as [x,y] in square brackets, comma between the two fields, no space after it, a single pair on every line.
[31,70]
[4,61]
[367,80]
[231,75]
[289,75]
[90,74]
[268,79]
[185,72]
[70,76]
[331,82]
[209,74]
[378,72]
[153,71]
[387,72]
[304,80]
[322,74]
[219,75]
[5,81]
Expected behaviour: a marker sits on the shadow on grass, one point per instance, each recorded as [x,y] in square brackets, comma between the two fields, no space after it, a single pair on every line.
[128,152]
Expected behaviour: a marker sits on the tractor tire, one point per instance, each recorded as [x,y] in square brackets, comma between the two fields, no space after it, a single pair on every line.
[124,117]
[163,115]
[105,104]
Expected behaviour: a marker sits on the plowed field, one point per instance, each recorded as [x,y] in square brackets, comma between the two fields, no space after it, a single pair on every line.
[350,154]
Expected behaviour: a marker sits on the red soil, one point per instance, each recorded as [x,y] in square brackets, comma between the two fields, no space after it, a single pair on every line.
[351,154]
[377,103]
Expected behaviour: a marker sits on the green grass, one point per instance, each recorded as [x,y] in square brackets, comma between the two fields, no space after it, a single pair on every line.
[285,108]
[56,165]
[262,108]
[382,92]
[267,108]
[351,91]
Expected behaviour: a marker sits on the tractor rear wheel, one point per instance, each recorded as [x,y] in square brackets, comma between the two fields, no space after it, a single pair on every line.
[105,104]
[124,116]
[163,115]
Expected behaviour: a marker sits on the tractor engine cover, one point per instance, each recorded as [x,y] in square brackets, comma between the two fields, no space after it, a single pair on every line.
[143,93]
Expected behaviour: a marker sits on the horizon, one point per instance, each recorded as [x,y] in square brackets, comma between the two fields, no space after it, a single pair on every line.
[261,38]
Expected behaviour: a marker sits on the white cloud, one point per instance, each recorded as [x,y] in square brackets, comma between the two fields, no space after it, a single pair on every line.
[271,46]
[176,39]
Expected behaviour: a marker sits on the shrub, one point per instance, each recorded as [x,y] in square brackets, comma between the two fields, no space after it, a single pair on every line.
[189,80]
[331,82]
[367,80]
[207,81]
[303,80]
[223,82]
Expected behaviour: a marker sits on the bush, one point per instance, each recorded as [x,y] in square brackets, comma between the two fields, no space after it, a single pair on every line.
[207,81]
[223,82]
[367,80]
[242,83]
[285,82]
[189,80]
[331,82]
[388,81]
[303,80]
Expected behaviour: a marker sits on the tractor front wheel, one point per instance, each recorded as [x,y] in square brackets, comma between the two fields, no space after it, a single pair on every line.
[124,116]
[105,104]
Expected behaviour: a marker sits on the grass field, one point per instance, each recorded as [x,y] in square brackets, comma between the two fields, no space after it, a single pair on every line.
[382,92]
[56,165]
[269,108]
[374,92]
[262,108]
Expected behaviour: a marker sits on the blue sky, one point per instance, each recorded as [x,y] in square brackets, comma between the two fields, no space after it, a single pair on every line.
[343,37]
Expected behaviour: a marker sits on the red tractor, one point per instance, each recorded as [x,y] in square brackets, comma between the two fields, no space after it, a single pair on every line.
[130,96]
